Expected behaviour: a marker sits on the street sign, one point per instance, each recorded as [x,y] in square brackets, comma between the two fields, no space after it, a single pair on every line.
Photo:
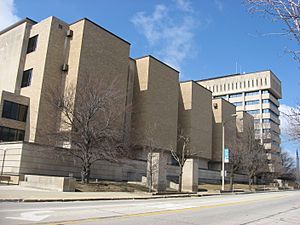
[226,155]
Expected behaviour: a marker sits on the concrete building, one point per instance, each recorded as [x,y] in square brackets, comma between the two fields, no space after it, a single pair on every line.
[195,119]
[40,58]
[258,94]
[50,55]
[223,115]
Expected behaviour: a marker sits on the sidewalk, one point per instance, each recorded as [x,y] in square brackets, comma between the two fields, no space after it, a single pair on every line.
[14,193]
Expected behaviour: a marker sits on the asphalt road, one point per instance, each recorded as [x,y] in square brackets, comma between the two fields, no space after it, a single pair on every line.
[262,208]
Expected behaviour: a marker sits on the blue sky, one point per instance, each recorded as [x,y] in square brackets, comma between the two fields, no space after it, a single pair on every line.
[200,38]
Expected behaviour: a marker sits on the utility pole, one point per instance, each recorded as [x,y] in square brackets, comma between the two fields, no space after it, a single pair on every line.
[297,166]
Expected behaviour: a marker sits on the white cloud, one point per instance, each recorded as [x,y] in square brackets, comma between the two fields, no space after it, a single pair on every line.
[169,32]
[219,5]
[7,13]
[184,5]
[284,125]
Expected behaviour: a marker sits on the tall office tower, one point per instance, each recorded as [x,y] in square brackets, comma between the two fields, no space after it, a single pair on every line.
[256,93]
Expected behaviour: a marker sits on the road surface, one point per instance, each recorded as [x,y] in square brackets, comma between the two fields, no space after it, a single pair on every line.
[261,208]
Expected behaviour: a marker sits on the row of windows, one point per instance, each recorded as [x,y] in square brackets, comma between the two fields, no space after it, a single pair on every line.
[269,121]
[270,111]
[253,102]
[10,134]
[253,112]
[238,103]
[237,95]
[269,101]
[12,110]
[238,85]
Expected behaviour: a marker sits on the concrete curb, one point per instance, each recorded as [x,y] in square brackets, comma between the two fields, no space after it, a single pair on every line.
[129,198]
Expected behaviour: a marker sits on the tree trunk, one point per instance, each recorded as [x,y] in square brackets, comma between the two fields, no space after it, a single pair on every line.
[250,183]
[180,179]
[85,173]
[231,178]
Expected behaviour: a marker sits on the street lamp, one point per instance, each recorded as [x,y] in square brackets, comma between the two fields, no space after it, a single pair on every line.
[223,149]
[3,160]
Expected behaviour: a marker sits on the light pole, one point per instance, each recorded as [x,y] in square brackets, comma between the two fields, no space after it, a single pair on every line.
[223,150]
[2,167]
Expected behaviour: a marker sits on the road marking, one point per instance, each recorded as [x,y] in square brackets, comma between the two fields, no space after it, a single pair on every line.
[31,216]
[168,211]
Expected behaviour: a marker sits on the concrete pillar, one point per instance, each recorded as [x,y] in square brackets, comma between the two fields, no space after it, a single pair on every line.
[156,171]
[190,176]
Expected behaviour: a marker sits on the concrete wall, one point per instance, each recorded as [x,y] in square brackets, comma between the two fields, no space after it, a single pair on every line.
[222,113]
[155,103]
[28,158]
[195,117]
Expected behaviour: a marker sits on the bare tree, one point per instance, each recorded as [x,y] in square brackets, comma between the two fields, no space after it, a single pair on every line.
[91,123]
[254,158]
[182,153]
[150,147]
[235,158]
[286,11]
[287,169]
[293,118]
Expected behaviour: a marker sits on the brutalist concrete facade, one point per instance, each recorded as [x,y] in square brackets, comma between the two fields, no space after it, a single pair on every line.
[51,55]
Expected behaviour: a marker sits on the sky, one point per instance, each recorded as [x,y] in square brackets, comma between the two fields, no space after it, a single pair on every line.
[199,38]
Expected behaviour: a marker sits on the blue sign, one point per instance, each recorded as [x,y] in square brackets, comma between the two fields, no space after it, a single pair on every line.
[226,155]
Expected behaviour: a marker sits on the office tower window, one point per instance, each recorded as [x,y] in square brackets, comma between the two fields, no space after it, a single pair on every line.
[220,96]
[256,120]
[265,92]
[265,101]
[266,111]
[238,103]
[236,95]
[252,93]
[253,112]
[26,79]
[15,111]
[10,134]
[253,102]
[32,44]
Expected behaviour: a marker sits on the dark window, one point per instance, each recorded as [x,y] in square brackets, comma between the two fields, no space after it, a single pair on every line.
[14,111]
[26,79]
[32,44]
[10,134]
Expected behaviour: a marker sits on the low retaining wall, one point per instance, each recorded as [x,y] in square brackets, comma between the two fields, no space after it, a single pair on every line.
[33,159]
[50,183]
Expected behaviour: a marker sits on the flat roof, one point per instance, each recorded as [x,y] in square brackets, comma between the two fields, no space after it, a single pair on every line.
[17,24]
[97,25]
[236,74]
[158,61]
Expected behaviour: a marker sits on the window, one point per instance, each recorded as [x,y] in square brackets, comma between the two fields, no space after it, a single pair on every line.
[253,102]
[265,92]
[256,120]
[238,103]
[265,101]
[252,93]
[220,96]
[266,111]
[235,95]
[26,79]
[32,44]
[10,134]
[253,112]
[14,111]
